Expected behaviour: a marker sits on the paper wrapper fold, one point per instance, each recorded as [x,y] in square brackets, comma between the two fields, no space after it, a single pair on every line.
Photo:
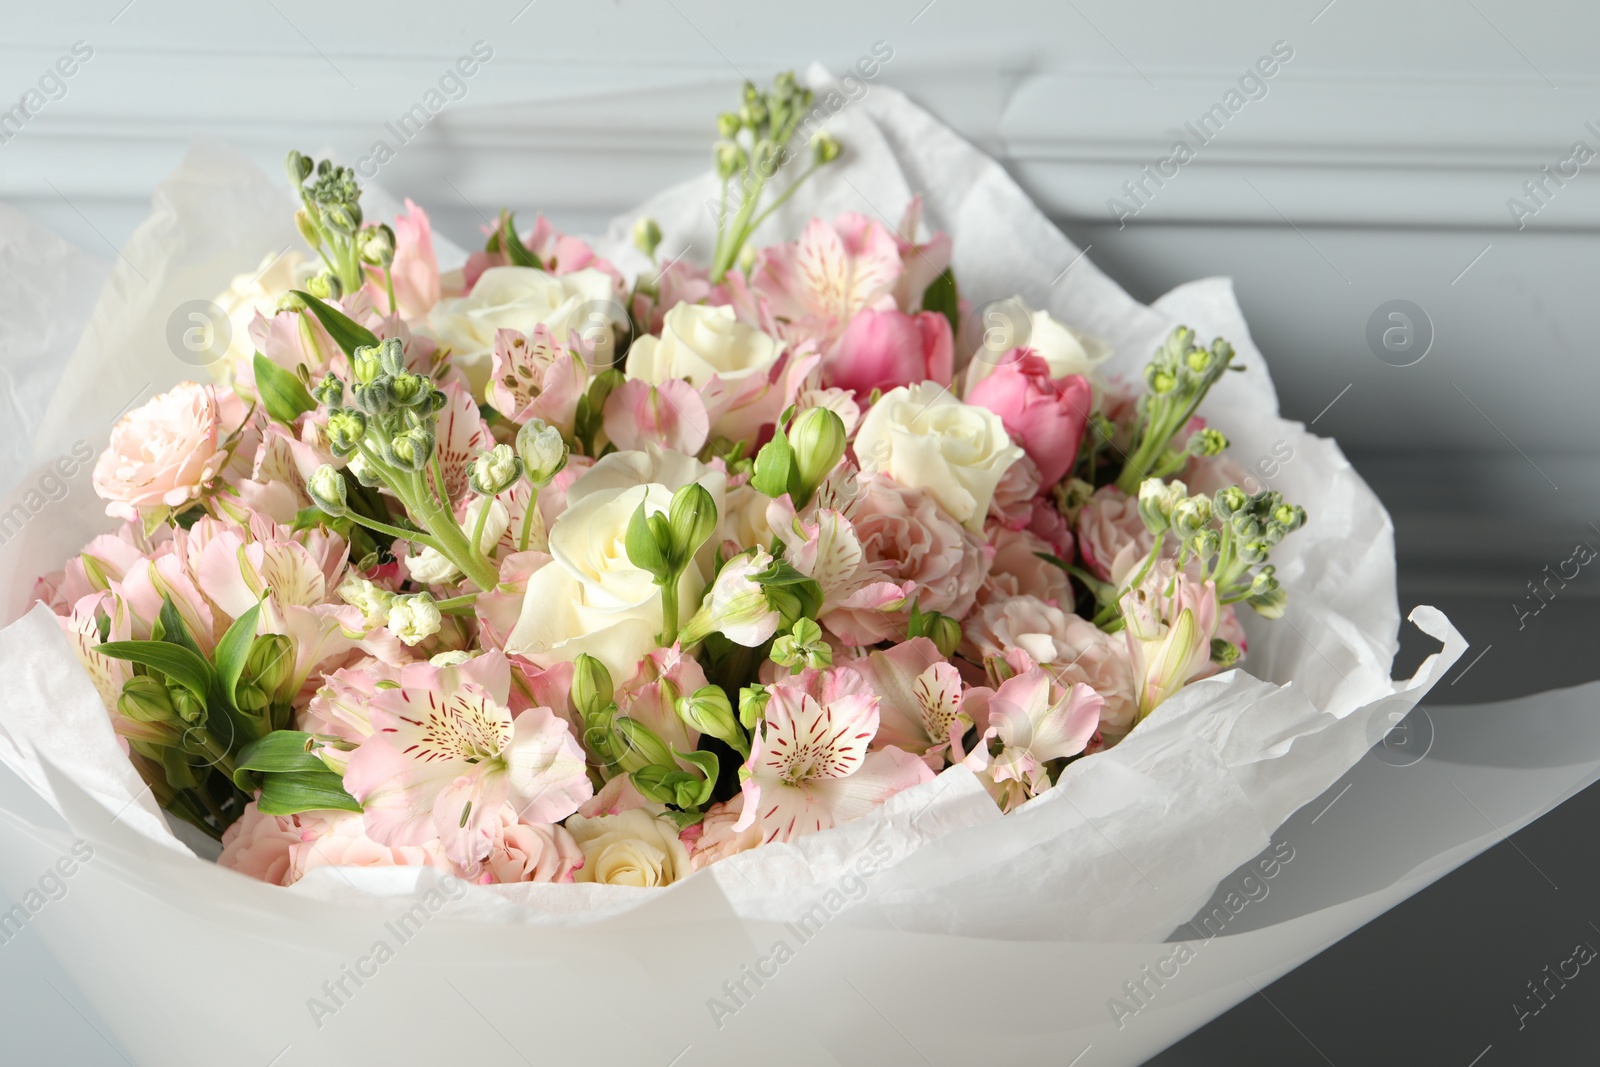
[1080,887]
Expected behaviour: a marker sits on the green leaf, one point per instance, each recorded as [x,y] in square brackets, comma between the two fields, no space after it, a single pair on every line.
[943,297]
[179,664]
[706,763]
[282,394]
[280,752]
[345,331]
[774,466]
[296,791]
[233,651]
[516,252]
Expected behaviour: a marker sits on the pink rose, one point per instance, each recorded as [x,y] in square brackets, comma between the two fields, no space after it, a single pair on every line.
[161,455]
[1046,416]
[906,537]
[339,839]
[1108,526]
[885,349]
[258,845]
[531,852]
[1012,504]
[714,838]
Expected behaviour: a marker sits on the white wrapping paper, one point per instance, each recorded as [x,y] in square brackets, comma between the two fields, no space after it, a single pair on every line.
[935,896]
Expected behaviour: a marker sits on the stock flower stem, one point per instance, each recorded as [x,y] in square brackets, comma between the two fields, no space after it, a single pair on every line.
[457,605]
[669,610]
[414,536]
[483,519]
[388,285]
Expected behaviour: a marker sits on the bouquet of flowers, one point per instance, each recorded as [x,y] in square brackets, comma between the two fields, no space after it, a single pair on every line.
[533,574]
[570,568]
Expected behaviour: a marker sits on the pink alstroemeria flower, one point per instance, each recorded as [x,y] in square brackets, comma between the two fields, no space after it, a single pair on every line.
[821,281]
[669,415]
[447,753]
[809,766]
[919,700]
[535,376]
[1171,619]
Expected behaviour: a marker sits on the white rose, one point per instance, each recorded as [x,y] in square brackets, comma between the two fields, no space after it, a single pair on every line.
[1065,350]
[515,298]
[261,290]
[629,848]
[592,598]
[699,342]
[924,438]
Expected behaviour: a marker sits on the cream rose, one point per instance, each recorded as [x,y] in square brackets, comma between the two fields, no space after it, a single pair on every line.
[1065,350]
[698,343]
[629,848]
[260,290]
[591,598]
[728,361]
[924,438]
[515,298]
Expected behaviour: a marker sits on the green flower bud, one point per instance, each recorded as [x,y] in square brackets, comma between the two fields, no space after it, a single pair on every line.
[765,157]
[392,356]
[709,711]
[646,235]
[817,437]
[1292,516]
[753,113]
[372,397]
[375,245]
[1265,580]
[411,449]
[346,428]
[298,168]
[1273,531]
[784,84]
[691,520]
[1270,605]
[802,647]
[307,229]
[414,618]
[824,149]
[372,600]
[728,125]
[270,665]
[1191,515]
[1206,442]
[730,159]
[1254,551]
[328,490]
[365,366]
[1230,501]
[145,699]
[190,708]
[410,390]
[752,705]
[325,286]
[494,471]
[1205,543]
[591,686]
[329,392]
[542,449]
[945,633]
[1224,653]
[1160,380]
[641,746]
[1157,500]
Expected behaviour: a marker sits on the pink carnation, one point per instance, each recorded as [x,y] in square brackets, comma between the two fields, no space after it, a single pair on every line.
[908,538]
[163,454]
[1109,525]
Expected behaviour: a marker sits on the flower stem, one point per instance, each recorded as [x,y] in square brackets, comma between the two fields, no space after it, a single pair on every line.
[457,605]
[669,610]
[527,520]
